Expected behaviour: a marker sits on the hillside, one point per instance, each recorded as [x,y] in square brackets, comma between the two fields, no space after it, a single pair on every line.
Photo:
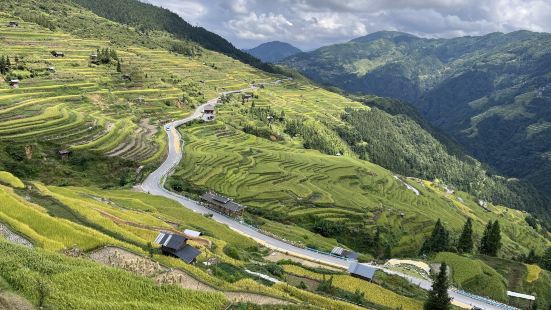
[490,93]
[79,133]
[274,51]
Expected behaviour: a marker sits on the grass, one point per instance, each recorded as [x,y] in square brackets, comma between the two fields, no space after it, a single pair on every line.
[373,293]
[474,275]
[534,272]
[55,281]
[10,180]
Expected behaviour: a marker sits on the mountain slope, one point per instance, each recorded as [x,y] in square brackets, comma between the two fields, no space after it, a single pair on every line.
[146,17]
[491,93]
[273,51]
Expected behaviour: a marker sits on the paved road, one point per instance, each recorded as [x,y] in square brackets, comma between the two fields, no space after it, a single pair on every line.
[153,184]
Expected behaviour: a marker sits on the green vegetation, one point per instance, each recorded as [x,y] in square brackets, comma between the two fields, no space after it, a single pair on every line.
[55,281]
[465,242]
[439,241]
[490,243]
[474,275]
[9,179]
[489,92]
[438,295]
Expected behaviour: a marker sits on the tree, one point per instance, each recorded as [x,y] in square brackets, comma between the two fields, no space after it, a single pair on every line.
[119,69]
[438,241]
[495,239]
[484,242]
[438,296]
[465,243]
[545,261]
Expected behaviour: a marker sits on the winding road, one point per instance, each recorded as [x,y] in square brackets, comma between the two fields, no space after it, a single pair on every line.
[154,185]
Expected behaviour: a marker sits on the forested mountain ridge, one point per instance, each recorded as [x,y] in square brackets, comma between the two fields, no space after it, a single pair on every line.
[147,17]
[491,93]
[273,51]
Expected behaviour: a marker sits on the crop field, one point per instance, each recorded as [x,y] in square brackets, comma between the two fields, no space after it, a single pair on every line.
[296,183]
[82,105]
[373,293]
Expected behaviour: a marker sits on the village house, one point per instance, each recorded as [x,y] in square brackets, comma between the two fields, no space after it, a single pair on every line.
[94,58]
[176,245]
[208,112]
[14,83]
[64,154]
[126,77]
[58,54]
[13,24]
[51,69]
[362,271]
[222,204]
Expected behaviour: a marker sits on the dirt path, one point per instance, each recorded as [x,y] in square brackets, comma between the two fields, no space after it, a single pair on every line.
[11,301]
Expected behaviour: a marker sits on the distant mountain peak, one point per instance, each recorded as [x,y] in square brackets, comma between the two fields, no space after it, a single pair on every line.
[273,51]
[385,34]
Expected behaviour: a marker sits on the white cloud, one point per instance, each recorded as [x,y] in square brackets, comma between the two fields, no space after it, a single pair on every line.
[312,23]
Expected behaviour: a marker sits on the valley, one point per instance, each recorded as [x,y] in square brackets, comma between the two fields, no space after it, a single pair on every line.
[105,144]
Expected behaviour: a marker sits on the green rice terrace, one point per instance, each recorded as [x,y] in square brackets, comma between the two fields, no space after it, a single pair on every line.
[82,109]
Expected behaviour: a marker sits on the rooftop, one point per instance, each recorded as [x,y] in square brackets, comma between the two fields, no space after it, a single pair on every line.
[171,241]
[222,201]
[362,270]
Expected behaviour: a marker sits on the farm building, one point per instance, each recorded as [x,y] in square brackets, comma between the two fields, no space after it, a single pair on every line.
[361,271]
[208,109]
[222,204]
[64,154]
[58,54]
[94,58]
[14,83]
[51,69]
[176,245]
[126,77]
[344,253]
[13,24]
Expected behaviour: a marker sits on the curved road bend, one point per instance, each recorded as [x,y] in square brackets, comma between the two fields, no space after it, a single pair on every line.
[153,185]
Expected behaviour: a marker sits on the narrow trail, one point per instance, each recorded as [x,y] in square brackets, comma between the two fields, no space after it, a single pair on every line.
[154,185]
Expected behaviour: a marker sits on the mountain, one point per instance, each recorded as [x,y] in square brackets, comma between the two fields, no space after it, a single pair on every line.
[313,167]
[491,93]
[274,51]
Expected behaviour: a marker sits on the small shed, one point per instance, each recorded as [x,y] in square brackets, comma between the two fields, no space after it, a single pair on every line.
[58,54]
[222,204]
[64,154]
[192,233]
[51,69]
[94,58]
[13,24]
[519,296]
[176,245]
[126,77]
[362,271]
[338,251]
[14,83]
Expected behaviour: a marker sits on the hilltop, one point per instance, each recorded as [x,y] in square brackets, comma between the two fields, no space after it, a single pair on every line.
[274,51]
[83,129]
[490,93]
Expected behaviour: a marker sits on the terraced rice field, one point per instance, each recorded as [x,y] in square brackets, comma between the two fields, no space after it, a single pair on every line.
[87,106]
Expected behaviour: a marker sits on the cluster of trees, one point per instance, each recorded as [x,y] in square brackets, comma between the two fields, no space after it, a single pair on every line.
[106,55]
[266,114]
[544,261]
[316,136]
[439,241]
[5,64]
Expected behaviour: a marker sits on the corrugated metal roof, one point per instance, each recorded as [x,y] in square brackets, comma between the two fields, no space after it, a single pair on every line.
[171,241]
[362,270]
[520,295]
[192,233]
[187,253]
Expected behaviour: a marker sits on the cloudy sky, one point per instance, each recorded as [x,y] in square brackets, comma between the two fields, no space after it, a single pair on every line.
[310,24]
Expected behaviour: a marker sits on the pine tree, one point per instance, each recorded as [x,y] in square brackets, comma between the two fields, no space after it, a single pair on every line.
[2,65]
[465,243]
[545,261]
[438,241]
[495,239]
[119,69]
[438,296]
[484,242]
